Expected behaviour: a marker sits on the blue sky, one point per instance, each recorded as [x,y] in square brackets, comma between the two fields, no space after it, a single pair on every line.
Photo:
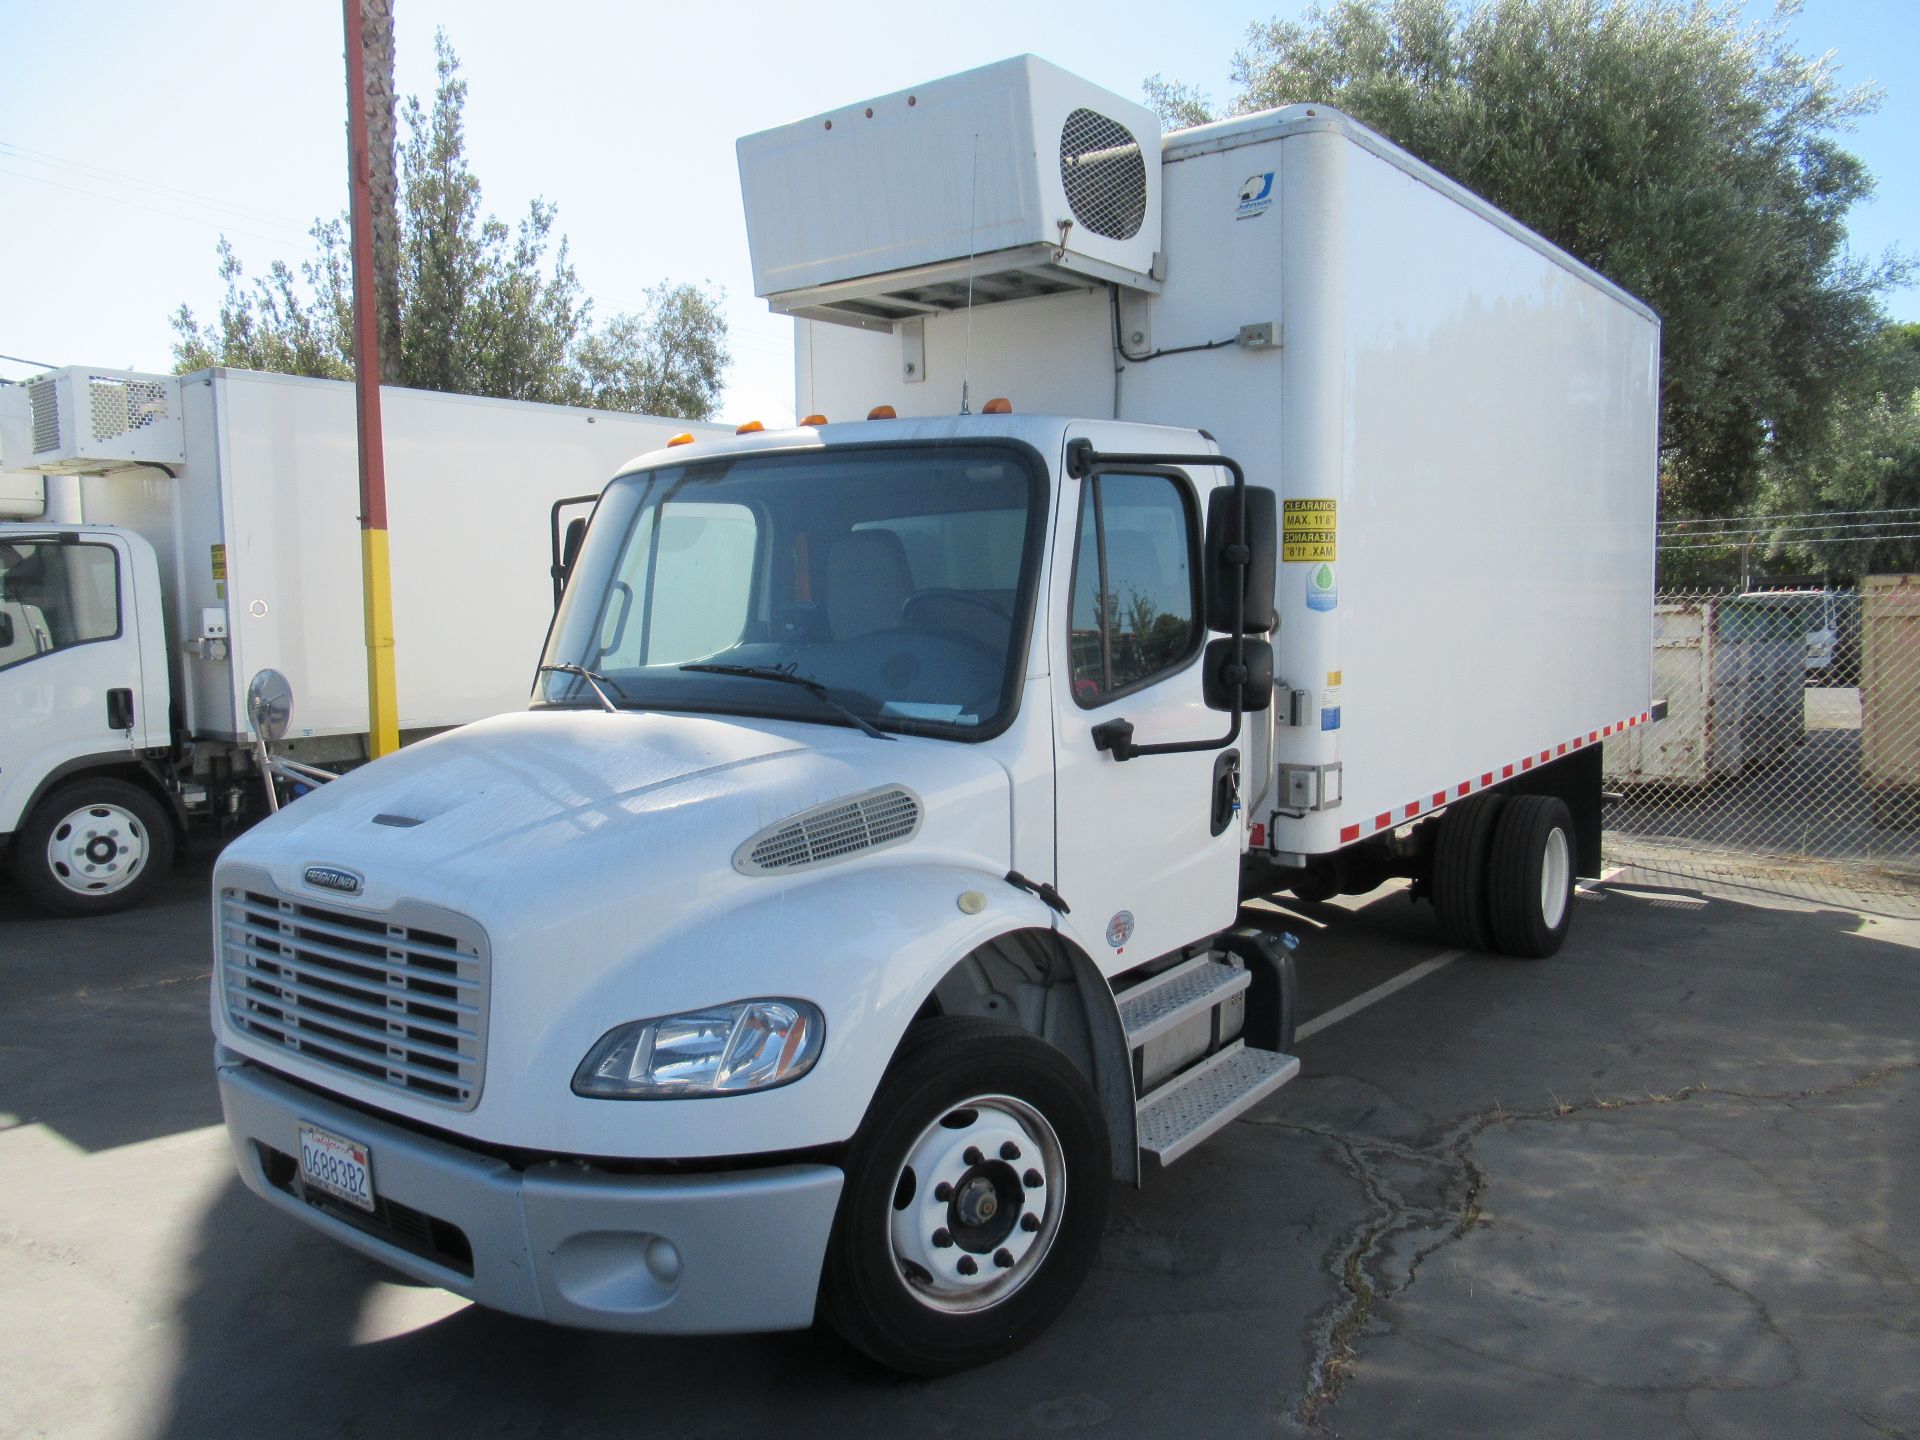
[132,135]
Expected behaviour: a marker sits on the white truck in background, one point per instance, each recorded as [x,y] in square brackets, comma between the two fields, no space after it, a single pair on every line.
[858,895]
[166,540]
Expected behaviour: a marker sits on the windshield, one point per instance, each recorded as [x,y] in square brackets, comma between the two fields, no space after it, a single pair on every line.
[899,579]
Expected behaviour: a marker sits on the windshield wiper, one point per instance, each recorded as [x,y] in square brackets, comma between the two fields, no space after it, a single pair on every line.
[594,679]
[812,687]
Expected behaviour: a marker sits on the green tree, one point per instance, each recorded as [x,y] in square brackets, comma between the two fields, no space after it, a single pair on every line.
[1689,156]
[1864,472]
[482,310]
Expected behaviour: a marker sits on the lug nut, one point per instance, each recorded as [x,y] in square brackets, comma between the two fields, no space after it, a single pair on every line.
[1033,1180]
[1003,1258]
[973,1155]
[1029,1222]
[943,1192]
[941,1239]
[966,1266]
[1009,1151]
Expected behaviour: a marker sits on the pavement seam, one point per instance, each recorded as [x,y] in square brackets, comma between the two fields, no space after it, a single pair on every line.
[1357,1261]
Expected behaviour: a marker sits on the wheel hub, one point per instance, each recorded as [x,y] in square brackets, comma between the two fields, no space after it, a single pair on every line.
[97,849]
[977,1203]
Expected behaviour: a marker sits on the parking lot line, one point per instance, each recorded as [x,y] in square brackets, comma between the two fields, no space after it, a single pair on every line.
[1375,995]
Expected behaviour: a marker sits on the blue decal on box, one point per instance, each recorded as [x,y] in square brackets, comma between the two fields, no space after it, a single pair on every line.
[1330,718]
[1256,196]
[1322,592]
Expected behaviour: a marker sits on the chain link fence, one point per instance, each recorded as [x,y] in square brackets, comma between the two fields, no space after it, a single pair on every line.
[1789,757]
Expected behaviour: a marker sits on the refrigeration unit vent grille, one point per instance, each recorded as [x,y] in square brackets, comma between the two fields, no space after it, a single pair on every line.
[121,406]
[832,832]
[1104,174]
[44,398]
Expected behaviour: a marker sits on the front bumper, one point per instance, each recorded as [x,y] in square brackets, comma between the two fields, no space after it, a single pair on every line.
[558,1241]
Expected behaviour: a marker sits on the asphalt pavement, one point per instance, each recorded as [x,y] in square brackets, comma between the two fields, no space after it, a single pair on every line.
[1662,1184]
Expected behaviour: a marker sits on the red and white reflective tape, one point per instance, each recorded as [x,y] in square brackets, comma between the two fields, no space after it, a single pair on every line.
[1426,804]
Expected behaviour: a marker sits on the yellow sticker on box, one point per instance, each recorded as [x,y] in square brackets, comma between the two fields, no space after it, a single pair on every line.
[1308,529]
[219,562]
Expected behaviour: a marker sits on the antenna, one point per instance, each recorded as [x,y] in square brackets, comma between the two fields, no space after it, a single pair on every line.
[973,248]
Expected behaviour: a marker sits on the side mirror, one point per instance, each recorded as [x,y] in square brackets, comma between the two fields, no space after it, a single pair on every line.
[6,630]
[1262,542]
[569,552]
[1217,674]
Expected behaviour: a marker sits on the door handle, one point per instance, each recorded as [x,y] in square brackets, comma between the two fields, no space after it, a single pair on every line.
[120,709]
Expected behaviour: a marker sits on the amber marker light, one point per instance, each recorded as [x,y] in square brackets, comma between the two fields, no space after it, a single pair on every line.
[814,420]
[882,412]
[683,438]
[749,428]
[999,405]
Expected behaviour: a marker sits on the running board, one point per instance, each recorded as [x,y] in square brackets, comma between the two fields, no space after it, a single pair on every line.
[1149,1010]
[1188,1108]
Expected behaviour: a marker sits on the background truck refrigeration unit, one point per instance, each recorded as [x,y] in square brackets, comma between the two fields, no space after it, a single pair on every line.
[1459,418]
[243,490]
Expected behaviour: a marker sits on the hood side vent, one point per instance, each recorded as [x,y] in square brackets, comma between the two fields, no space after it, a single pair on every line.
[832,832]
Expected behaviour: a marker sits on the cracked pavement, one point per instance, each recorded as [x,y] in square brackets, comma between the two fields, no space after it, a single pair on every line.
[1661,1184]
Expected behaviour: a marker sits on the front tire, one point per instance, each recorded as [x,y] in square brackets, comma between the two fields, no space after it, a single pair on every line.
[1530,876]
[976,1194]
[93,847]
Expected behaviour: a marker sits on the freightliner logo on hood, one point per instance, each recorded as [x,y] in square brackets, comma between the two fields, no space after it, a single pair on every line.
[332,877]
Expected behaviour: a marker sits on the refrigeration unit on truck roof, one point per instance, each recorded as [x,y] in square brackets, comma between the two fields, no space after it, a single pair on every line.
[1003,183]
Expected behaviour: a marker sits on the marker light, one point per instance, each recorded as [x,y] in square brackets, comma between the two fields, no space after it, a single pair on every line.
[882,412]
[814,420]
[681,439]
[999,405]
[749,428]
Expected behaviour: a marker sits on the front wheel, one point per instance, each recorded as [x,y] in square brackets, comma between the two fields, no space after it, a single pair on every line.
[93,847]
[976,1195]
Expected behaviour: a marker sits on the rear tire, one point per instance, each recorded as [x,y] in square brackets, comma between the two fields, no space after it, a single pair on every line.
[1460,871]
[93,847]
[941,1260]
[1530,877]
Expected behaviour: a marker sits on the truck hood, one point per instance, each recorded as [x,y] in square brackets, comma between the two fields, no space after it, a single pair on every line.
[524,817]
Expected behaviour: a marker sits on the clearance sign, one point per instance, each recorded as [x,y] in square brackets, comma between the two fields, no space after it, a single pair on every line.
[1307,529]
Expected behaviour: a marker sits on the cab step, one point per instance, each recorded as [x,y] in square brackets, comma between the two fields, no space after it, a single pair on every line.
[1191,1106]
[1170,999]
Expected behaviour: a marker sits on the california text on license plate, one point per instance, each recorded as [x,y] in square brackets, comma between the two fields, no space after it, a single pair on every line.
[342,1168]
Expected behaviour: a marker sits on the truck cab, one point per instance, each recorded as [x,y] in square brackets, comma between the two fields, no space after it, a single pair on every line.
[804,931]
[84,702]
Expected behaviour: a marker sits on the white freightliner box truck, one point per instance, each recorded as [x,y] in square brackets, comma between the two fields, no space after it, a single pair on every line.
[164,540]
[857,896]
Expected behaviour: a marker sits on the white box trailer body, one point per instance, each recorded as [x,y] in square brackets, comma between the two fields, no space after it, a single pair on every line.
[245,488]
[1468,412]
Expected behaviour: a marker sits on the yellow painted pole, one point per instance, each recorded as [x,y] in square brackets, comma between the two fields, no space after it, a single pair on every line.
[383,710]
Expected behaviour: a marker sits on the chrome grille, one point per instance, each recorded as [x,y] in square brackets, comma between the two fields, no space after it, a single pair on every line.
[397,1004]
[832,832]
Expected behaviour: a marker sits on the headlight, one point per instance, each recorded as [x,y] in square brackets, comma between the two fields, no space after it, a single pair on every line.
[730,1049]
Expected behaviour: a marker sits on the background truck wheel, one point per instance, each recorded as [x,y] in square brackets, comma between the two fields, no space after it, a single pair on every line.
[1460,871]
[976,1194]
[1530,876]
[93,847]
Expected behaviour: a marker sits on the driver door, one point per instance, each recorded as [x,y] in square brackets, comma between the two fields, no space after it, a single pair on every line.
[1141,854]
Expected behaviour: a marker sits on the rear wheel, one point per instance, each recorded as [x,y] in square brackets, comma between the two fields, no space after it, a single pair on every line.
[976,1193]
[1460,871]
[1530,876]
[92,847]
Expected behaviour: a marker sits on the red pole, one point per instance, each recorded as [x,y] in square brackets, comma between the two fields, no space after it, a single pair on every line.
[383,731]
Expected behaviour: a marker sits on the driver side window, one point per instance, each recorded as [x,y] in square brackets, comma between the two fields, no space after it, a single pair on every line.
[1135,593]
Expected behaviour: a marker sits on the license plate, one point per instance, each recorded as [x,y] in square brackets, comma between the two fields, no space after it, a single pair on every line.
[342,1168]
